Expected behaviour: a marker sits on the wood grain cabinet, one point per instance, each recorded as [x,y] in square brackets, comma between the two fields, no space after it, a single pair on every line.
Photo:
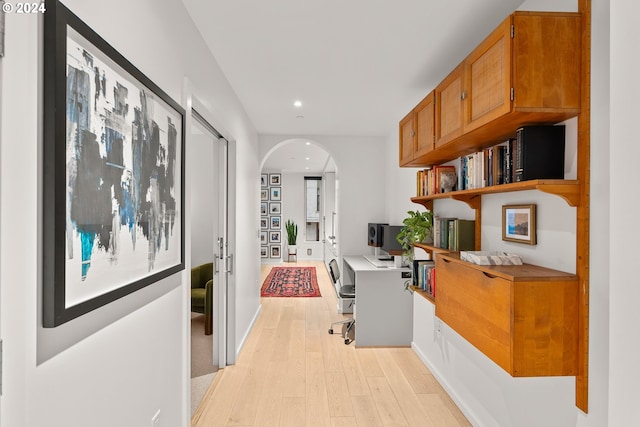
[524,318]
[417,132]
[527,71]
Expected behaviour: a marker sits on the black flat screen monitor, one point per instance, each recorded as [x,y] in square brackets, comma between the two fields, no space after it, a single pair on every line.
[389,242]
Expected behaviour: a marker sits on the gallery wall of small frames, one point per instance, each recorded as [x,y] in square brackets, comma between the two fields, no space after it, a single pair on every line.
[270,215]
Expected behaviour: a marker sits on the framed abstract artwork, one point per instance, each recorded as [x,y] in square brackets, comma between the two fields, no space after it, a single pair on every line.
[113,186]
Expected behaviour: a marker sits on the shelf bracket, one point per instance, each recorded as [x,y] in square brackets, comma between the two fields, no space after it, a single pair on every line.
[473,200]
[571,194]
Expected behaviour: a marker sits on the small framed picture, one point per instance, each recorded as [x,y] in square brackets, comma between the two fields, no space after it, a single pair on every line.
[274,178]
[263,237]
[264,180]
[274,208]
[263,208]
[274,237]
[264,252]
[519,223]
[276,193]
[264,224]
[275,223]
[275,251]
[264,194]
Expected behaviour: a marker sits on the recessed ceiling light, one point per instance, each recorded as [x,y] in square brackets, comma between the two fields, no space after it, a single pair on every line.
[300,116]
[306,158]
[306,168]
[307,143]
[297,104]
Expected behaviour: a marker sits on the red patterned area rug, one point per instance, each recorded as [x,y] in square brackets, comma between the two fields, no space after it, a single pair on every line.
[291,282]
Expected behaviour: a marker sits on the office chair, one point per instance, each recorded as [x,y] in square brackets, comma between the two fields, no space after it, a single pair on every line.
[345,291]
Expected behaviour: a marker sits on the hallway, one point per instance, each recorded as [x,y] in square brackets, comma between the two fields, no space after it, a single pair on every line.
[291,372]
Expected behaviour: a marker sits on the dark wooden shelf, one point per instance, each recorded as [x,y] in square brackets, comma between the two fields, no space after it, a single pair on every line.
[567,189]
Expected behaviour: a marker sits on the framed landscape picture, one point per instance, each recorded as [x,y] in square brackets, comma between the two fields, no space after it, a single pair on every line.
[113,187]
[519,223]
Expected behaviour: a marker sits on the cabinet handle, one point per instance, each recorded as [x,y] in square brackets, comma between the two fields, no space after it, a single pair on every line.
[490,276]
[413,133]
[446,261]
[463,95]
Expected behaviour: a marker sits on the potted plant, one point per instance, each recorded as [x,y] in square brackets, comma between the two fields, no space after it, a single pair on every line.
[417,228]
[292,236]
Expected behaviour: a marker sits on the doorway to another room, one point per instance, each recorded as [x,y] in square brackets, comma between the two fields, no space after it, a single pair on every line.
[207,163]
[299,185]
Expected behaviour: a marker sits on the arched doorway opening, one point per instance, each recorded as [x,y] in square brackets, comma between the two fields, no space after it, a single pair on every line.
[299,183]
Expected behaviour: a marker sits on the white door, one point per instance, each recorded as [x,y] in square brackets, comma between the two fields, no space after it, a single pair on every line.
[207,157]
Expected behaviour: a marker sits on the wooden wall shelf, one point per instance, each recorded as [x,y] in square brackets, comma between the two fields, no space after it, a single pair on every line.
[569,190]
[423,294]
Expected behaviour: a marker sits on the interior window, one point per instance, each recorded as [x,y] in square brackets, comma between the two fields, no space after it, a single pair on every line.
[312,208]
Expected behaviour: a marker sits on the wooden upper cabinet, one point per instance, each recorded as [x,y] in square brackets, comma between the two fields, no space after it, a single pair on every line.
[449,107]
[407,138]
[527,71]
[417,132]
[488,78]
[529,66]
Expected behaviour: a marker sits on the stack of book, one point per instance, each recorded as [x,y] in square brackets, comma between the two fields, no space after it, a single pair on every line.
[454,234]
[439,179]
[424,272]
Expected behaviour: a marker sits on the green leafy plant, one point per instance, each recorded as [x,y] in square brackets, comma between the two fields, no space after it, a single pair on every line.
[292,232]
[417,228]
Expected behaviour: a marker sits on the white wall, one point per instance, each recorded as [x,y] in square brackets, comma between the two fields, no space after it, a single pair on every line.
[121,363]
[200,151]
[488,395]
[624,205]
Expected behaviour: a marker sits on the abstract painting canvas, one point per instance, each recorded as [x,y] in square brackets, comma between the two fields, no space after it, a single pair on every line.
[113,174]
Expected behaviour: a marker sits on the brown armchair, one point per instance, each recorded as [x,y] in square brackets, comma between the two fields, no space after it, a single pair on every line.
[202,294]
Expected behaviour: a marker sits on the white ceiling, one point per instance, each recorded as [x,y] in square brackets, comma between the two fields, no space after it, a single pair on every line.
[357,66]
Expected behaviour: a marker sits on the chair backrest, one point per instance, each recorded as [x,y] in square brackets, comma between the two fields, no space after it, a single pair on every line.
[334,270]
[201,274]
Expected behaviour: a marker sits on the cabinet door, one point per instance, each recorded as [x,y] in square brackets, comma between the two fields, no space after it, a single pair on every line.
[488,78]
[425,126]
[407,139]
[449,107]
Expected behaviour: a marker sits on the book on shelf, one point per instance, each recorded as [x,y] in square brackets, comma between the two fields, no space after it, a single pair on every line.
[439,179]
[422,275]
[539,153]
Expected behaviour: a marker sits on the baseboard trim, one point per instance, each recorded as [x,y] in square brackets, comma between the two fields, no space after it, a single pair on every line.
[248,331]
[473,419]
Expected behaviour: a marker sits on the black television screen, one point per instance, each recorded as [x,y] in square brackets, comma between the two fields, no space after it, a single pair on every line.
[389,242]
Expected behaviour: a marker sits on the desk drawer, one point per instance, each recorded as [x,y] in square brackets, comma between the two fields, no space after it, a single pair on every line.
[477,305]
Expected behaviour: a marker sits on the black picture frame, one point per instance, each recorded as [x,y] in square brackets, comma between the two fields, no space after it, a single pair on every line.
[134,160]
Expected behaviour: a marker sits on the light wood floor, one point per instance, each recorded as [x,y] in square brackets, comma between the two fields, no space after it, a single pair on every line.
[291,372]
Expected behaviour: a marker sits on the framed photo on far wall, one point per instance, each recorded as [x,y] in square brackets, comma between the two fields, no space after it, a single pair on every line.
[274,237]
[276,193]
[274,178]
[264,194]
[275,223]
[274,208]
[264,180]
[264,224]
[275,251]
[263,237]
[263,208]
[264,252]
[519,223]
